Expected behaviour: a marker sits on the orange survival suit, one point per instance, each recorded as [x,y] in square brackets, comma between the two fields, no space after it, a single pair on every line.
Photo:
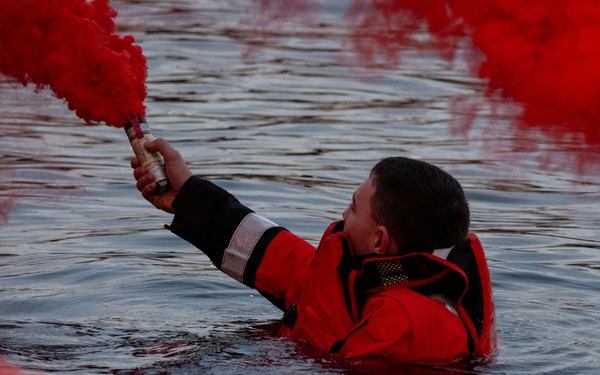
[420,308]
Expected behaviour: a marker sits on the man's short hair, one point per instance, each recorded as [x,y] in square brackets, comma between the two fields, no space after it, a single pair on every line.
[422,207]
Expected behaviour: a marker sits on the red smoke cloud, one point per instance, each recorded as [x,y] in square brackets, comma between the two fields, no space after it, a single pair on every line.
[71,47]
[543,55]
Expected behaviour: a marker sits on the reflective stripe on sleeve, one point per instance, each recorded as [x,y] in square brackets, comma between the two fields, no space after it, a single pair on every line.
[242,244]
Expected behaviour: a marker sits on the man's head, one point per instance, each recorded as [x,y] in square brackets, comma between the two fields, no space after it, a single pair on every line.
[407,205]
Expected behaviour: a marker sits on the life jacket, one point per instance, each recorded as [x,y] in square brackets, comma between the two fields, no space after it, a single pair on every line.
[324,308]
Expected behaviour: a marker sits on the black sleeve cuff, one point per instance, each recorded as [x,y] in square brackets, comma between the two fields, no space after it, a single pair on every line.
[207,216]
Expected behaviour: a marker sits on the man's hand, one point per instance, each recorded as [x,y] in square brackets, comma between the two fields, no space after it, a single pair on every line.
[177,172]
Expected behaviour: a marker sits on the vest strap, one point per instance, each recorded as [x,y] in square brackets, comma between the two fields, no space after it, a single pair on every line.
[290,316]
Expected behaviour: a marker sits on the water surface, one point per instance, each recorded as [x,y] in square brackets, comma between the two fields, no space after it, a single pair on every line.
[91,282]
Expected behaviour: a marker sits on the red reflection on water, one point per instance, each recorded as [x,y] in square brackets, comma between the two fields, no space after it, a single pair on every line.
[5,207]
[6,201]
[7,368]
[71,46]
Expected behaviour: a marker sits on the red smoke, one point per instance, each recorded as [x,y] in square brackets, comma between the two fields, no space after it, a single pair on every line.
[71,47]
[543,55]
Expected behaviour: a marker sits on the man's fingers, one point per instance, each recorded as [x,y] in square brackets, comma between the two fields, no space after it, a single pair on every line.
[163,147]
[135,163]
[139,172]
[158,144]
[145,180]
[147,191]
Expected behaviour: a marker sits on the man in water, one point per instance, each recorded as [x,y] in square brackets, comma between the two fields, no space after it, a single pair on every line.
[399,277]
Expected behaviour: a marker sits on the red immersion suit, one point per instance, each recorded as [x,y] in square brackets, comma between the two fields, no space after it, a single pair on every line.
[420,308]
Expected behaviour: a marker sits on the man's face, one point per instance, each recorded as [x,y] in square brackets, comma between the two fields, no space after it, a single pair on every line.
[359,223]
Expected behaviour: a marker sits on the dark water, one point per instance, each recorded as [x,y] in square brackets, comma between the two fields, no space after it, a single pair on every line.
[91,283]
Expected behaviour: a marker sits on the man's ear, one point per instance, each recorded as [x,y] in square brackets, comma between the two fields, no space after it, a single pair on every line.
[383,244]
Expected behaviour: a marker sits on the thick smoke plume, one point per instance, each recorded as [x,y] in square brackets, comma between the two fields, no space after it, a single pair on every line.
[542,55]
[71,47]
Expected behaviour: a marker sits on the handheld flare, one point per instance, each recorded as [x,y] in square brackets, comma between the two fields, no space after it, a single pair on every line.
[138,133]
